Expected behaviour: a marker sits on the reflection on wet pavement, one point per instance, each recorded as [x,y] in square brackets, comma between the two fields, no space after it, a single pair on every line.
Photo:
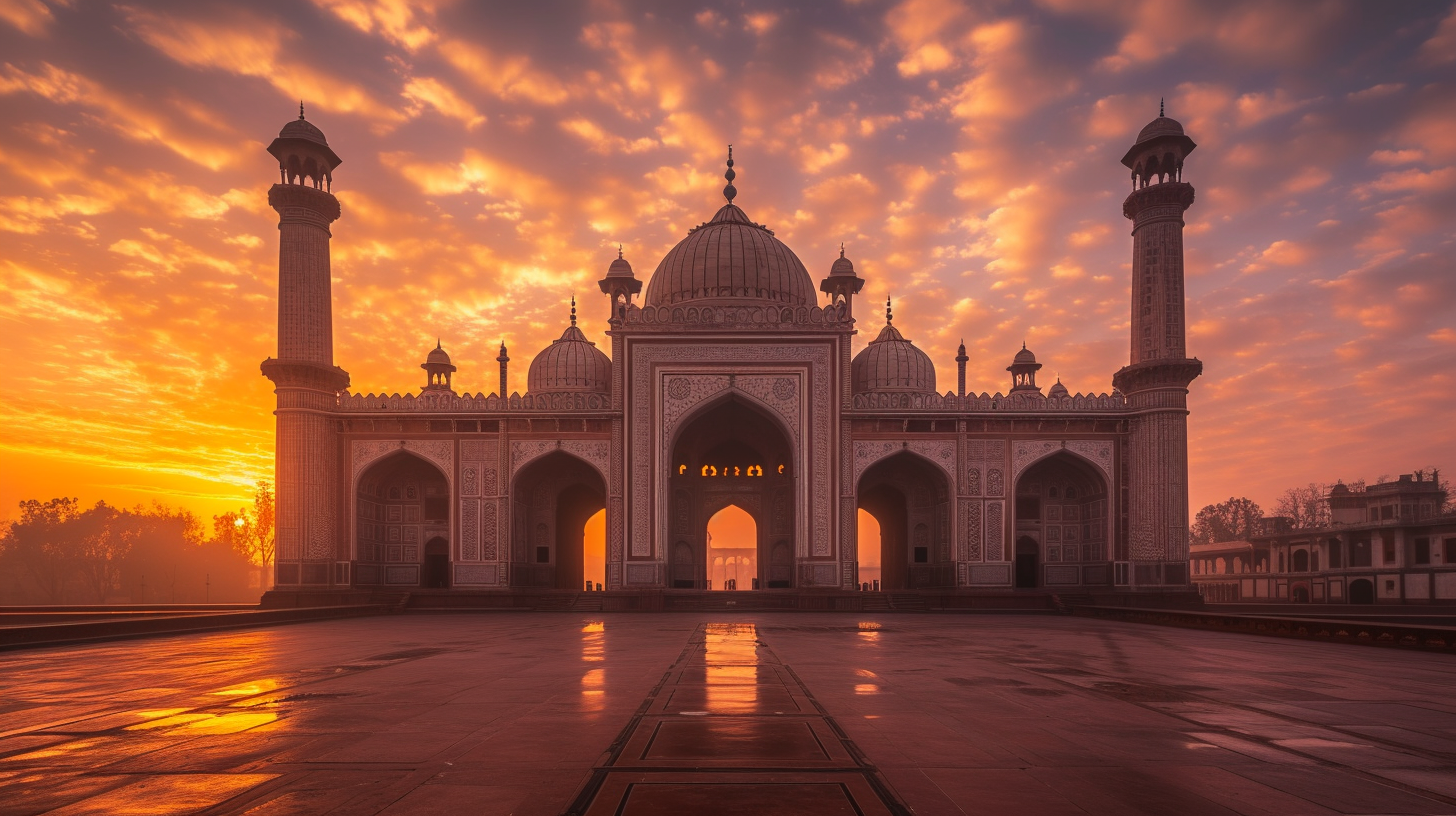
[683,713]
[730,705]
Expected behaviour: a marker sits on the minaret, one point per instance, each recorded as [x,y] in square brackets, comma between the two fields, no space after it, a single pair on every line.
[961,359]
[503,359]
[305,378]
[1158,373]
[842,284]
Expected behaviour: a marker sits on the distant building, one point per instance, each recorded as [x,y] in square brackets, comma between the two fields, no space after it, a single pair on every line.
[1387,543]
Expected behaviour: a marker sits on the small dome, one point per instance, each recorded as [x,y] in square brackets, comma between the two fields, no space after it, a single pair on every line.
[1024,357]
[1057,391]
[892,363]
[1340,490]
[619,268]
[1162,126]
[842,265]
[572,363]
[438,356]
[301,128]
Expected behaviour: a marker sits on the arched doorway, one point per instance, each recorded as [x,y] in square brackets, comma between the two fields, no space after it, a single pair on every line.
[732,549]
[1061,510]
[1299,593]
[400,502]
[732,453]
[1028,563]
[1362,591]
[552,500]
[1301,561]
[869,548]
[437,564]
[910,500]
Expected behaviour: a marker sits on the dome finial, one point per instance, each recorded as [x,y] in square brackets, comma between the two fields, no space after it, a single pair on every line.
[1160,107]
[889,317]
[300,109]
[573,310]
[619,252]
[730,192]
[437,343]
[841,249]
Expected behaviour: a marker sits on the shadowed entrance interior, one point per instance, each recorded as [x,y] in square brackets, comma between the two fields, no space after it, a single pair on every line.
[554,497]
[732,454]
[910,500]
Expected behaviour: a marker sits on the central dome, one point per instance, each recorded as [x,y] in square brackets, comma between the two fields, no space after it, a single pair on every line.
[731,258]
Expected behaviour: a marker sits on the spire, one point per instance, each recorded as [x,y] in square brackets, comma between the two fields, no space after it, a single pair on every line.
[729,192]
[437,343]
[300,109]
[573,310]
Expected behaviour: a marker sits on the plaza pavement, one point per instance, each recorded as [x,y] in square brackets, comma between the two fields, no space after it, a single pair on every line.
[538,713]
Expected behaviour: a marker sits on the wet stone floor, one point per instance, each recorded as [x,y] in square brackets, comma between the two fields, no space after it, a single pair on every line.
[520,713]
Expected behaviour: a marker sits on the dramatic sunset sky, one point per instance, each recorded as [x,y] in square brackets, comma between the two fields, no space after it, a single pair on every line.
[495,154]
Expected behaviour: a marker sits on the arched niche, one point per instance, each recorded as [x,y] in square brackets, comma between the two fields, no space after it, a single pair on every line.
[731,452]
[401,501]
[910,498]
[732,548]
[552,498]
[1061,508]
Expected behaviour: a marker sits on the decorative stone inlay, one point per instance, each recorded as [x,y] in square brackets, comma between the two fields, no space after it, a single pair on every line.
[489,532]
[989,574]
[678,388]
[597,453]
[1096,451]
[995,531]
[469,530]
[475,574]
[785,388]
[942,453]
[367,451]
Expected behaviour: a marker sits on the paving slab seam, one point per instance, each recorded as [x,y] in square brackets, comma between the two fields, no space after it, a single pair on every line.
[665,761]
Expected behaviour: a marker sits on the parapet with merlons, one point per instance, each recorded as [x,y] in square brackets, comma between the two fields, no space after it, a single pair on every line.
[434,401]
[950,403]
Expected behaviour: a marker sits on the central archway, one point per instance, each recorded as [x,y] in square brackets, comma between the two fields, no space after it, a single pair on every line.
[732,453]
[910,499]
[552,500]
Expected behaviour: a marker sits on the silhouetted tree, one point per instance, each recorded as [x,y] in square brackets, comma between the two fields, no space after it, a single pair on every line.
[36,545]
[1231,520]
[1307,506]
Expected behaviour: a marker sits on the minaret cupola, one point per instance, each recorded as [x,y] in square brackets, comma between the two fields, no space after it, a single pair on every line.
[843,283]
[1023,370]
[438,369]
[304,155]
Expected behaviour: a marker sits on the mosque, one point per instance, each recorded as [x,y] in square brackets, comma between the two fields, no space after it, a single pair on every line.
[730,382]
